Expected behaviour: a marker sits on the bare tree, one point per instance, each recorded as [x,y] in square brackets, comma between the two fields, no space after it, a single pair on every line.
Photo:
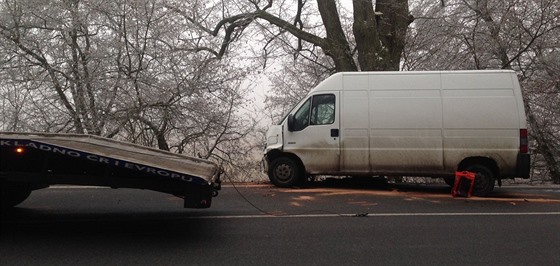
[379,31]
[122,69]
[37,34]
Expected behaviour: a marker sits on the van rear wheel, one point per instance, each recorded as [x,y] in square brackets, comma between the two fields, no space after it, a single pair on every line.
[484,181]
[285,172]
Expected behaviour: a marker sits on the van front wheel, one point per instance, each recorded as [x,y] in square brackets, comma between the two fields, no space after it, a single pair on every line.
[484,181]
[284,172]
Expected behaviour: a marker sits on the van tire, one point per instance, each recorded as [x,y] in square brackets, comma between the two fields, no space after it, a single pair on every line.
[484,181]
[285,172]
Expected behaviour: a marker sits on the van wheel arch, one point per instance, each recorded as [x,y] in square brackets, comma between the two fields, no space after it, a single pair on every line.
[273,154]
[487,172]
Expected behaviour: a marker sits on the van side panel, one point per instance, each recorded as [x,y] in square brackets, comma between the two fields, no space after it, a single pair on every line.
[405,123]
[354,156]
[481,118]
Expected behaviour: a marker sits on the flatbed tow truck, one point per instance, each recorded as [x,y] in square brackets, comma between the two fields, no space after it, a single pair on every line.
[31,161]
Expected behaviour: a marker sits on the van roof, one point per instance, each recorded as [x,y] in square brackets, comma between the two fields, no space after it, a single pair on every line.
[334,82]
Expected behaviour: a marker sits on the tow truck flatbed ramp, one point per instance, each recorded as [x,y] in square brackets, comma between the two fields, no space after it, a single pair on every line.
[42,159]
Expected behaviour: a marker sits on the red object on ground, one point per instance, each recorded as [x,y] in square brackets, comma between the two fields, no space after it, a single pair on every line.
[464,182]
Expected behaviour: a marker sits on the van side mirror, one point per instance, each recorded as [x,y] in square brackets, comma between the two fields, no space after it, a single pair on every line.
[290,122]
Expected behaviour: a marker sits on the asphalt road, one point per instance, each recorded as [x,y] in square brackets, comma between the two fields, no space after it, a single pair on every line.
[322,224]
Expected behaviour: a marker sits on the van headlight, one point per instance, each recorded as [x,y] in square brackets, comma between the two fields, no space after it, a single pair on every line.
[272,140]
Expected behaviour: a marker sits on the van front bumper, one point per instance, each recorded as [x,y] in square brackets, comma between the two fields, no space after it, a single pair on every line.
[523,168]
[264,164]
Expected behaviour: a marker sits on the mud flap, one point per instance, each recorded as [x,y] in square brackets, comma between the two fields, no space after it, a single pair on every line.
[523,168]
[464,183]
[198,197]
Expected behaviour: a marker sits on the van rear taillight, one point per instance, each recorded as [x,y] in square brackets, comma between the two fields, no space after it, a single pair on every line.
[523,141]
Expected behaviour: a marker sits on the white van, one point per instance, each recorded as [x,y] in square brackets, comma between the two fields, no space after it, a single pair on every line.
[431,123]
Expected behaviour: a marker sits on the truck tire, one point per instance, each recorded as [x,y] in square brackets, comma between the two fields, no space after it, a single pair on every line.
[13,193]
[285,172]
[484,181]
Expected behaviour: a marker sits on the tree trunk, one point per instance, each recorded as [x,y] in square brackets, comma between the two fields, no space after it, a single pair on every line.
[336,45]
[366,35]
[393,20]
[379,34]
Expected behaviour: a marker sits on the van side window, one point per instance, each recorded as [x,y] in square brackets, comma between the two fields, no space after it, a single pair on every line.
[317,110]
[322,110]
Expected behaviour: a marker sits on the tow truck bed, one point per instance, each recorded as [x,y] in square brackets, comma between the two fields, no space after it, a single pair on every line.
[35,160]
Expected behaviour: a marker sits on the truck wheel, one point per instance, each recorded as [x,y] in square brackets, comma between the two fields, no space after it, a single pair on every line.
[13,193]
[284,172]
[484,181]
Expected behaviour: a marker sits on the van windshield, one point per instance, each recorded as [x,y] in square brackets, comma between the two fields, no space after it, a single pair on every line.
[285,116]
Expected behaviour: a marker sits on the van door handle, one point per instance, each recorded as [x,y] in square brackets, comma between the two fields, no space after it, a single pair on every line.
[334,132]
